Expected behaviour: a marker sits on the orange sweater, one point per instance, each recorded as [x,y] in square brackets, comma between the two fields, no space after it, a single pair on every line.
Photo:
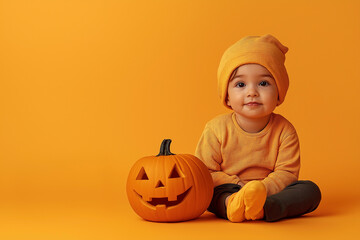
[233,155]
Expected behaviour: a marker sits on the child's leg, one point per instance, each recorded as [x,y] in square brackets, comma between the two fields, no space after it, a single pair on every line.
[217,205]
[296,199]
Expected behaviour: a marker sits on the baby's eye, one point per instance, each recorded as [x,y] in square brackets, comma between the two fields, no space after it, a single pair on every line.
[264,83]
[240,84]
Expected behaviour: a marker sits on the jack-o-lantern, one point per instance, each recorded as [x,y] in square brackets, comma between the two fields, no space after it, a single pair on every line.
[169,187]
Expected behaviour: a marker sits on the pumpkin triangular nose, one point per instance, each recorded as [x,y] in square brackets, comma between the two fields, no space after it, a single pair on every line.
[159,184]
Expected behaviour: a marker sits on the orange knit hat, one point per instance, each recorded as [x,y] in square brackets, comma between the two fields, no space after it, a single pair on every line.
[264,50]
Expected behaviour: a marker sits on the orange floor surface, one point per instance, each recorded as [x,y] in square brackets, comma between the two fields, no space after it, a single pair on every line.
[334,219]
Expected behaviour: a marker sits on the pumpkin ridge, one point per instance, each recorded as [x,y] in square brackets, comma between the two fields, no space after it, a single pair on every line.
[202,182]
[203,175]
[196,181]
[182,156]
[178,163]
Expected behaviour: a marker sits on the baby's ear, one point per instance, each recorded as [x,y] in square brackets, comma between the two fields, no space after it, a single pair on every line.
[227,101]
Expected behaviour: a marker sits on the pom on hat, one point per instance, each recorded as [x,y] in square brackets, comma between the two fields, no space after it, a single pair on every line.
[265,50]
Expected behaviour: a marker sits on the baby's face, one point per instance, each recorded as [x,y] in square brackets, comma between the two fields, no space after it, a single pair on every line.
[252,91]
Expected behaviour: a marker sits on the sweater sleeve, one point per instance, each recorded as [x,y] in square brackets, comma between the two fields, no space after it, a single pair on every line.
[208,151]
[287,166]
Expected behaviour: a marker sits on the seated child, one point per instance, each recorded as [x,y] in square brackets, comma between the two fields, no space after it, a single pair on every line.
[252,153]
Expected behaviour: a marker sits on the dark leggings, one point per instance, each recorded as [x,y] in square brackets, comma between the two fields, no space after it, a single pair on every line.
[295,200]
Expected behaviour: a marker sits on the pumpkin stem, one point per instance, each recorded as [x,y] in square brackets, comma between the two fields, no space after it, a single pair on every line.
[165,148]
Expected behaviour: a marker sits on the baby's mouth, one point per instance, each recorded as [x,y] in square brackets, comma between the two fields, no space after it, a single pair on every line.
[253,104]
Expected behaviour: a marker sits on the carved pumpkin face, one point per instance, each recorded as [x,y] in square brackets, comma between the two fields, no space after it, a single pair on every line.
[168,187]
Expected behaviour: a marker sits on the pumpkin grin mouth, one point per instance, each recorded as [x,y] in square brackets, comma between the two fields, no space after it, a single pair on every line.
[165,201]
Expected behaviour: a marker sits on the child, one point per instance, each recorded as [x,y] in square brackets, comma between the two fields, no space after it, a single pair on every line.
[252,153]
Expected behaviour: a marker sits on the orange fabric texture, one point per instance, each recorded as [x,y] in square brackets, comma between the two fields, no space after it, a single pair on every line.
[233,155]
[264,50]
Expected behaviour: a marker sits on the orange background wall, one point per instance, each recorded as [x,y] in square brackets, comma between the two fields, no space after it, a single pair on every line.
[89,87]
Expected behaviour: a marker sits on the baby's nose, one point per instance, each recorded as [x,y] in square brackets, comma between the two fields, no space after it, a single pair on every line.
[252,92]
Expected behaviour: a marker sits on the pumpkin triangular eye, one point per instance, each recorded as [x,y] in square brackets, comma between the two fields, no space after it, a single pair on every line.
[175,173]
[142,175]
